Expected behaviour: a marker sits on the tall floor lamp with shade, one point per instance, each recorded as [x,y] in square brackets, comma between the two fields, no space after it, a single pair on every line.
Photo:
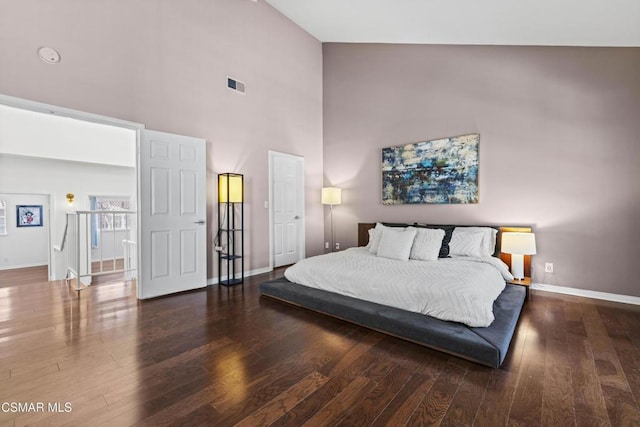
[332,196]
[230,237]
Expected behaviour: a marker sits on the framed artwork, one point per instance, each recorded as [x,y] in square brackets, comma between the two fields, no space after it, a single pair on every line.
[441,171]
[29,215]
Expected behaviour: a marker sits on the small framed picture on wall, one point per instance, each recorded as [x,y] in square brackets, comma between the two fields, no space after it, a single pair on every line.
[29,215]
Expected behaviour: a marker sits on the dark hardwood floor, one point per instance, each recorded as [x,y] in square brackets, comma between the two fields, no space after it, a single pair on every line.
[226,356]
[39,274]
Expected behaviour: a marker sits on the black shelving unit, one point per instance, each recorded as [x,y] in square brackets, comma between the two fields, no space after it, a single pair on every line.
[231,229]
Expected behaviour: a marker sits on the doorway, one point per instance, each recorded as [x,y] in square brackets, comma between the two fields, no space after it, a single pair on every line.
[24,241]
[65,155]
[286,208]
[176,167]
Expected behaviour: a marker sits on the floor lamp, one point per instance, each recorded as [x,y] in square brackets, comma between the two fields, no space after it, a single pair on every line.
[332,196]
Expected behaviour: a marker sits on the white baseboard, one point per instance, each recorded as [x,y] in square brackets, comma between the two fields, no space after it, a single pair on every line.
[214,280]
[626,299]
[11,267]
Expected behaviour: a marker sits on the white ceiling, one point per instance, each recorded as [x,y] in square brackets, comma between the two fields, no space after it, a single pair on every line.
[493,22]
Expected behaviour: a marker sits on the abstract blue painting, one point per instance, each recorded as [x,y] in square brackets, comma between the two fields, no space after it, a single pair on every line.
[441,171]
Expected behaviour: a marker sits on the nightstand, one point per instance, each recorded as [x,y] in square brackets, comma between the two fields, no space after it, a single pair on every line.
[526,282]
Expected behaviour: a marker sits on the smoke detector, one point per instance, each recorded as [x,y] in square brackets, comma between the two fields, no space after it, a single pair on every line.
[49,55]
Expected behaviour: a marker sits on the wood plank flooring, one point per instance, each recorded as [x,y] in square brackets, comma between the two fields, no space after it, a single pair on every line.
[228,357]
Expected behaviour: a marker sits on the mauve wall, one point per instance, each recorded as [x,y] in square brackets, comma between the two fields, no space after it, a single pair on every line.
[164,63]
[559,144]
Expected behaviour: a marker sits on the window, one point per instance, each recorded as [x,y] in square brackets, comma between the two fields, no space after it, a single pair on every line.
[108,222]
[112,222]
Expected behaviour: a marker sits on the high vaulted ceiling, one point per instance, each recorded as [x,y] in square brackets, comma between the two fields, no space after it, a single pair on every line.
[493,22]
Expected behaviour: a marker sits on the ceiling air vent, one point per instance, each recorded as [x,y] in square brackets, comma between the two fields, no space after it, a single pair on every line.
[236,85]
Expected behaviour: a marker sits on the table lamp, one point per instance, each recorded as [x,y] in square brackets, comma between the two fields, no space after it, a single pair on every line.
[518,245]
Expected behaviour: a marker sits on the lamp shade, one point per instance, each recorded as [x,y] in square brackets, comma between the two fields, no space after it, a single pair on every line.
[331,196]
[518,243]
[230,188]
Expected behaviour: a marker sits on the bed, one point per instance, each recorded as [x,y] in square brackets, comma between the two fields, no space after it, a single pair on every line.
[485,341]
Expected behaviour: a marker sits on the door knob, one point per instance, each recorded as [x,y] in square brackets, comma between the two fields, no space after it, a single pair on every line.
[296,217]
[202,221]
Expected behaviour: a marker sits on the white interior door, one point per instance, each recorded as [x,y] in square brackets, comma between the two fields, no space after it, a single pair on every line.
[287,204]
[172,214]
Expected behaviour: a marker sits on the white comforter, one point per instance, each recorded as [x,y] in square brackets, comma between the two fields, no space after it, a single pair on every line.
[457,289]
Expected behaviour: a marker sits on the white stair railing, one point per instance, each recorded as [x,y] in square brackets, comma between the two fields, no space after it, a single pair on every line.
[130,259]
[98,243]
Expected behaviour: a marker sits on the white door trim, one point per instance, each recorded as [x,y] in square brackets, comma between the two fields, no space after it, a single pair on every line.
[302,239]
[25,104]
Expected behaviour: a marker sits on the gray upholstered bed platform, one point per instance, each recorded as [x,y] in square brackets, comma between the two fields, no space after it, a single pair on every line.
[487,346]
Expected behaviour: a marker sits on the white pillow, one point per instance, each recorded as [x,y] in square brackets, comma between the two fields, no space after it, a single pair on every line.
[371,234]
[396,243]
[375,238]
[426,246]
[488,245]
[488,239]
[466,243]
[377,235]
[491,244]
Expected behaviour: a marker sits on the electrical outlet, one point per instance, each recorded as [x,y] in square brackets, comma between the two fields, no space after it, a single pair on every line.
[548,267]
[337,246]
[326,245]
